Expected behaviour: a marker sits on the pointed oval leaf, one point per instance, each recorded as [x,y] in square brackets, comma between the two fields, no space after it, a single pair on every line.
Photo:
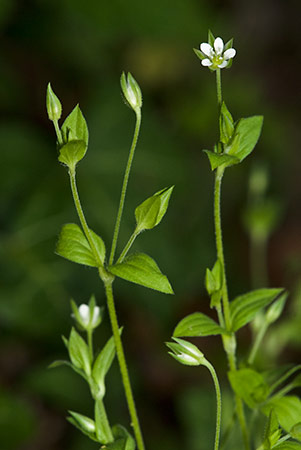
[73,245]
[150,213]
[141,269]
[244,308]
[287,409]
[75,127]
[249,385]
[78,352]
[103,429]
[226,124]
[72,152]
[122,439]
[248,129]
[197,324]
[220,159]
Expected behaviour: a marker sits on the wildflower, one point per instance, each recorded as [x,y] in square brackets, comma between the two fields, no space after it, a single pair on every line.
[88,319]
[217,56]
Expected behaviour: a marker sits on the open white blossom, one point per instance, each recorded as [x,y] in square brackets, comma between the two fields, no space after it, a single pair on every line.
[85,315]
[216,57]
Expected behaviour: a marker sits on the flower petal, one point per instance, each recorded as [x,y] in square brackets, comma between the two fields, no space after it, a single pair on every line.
[218,46]
[206,62]
[84,312]
[223,64]
[230,53]
[206,49]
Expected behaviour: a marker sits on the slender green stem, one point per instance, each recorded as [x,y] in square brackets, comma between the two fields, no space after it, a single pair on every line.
[219,242]
[218,404]
[123,367]
[127,247]
[258,339]
[124,185]
[283,439]
[81,216]
[284,377]
[58,132]
[220,254]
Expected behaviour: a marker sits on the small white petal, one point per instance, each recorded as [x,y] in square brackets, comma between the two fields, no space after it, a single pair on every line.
[206,49]
[218,46]
[230,53]
[206,62]
[223,64]
[84,312]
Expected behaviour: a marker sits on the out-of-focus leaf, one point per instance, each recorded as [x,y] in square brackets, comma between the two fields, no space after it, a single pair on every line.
[197,324]
[249,385]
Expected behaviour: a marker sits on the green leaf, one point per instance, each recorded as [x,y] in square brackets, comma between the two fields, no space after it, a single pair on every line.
[214,282]
[73,245]
[141,269]
[248,130]
[78,352]
[75,127]
[289,445]
[152,210]
[295,431]
[244,308]
[102,365]
[287,409]
[197,324]
[72,152]
[272,431]
[249,385]
[275,310]
[122,439]
[103,429]
[226,124]
[220,159]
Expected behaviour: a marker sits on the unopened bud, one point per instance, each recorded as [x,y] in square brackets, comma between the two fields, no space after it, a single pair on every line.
[53,105]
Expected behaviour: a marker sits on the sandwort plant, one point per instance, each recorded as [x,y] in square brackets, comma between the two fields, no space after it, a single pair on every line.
[259,396]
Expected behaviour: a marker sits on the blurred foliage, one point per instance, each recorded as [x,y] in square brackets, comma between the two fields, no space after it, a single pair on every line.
[82,47]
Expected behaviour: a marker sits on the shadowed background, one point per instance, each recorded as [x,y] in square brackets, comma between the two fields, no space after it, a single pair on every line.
[82,48]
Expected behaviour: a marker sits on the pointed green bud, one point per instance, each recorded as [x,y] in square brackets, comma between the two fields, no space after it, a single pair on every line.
[82,422]
[275,310]
[186,353]
[226,124]
[131,91]
[150,213]
[53,105]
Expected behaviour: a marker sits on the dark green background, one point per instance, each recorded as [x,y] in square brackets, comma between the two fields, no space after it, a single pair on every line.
[82,47]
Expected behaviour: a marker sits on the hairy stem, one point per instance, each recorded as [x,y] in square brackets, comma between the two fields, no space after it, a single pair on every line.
[124,186]
[123,366]
[218,404]
[127,247]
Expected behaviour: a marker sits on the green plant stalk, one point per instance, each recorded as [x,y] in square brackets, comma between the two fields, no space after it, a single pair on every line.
[124,185]
[123,366]
[113,316]
[220,254]
[90,344]
[58,132]
[127,247]
[218,404]
[258,339]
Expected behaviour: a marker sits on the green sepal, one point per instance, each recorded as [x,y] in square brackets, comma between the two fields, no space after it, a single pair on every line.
[60,363]
[244,308]
[287,409]
[122,439]
[211,38]
[228,44]
[249,385]
[199,54]
[75,127]
[226,124]
[247,132]
[102,365]
[79,352]
[185,352]
[103,430]
[198,324]
[83,423]
[220,159]
[73,245]
[53,105]
[71,153]
[150,213]
[141,269]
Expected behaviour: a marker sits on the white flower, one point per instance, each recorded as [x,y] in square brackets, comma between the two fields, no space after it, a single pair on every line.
[85,316]
[216,56]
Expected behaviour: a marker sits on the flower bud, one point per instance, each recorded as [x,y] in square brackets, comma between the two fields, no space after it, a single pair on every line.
[275,310]
[186,353]
[53,105]
[131,91]
[88,316]
[82,422]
